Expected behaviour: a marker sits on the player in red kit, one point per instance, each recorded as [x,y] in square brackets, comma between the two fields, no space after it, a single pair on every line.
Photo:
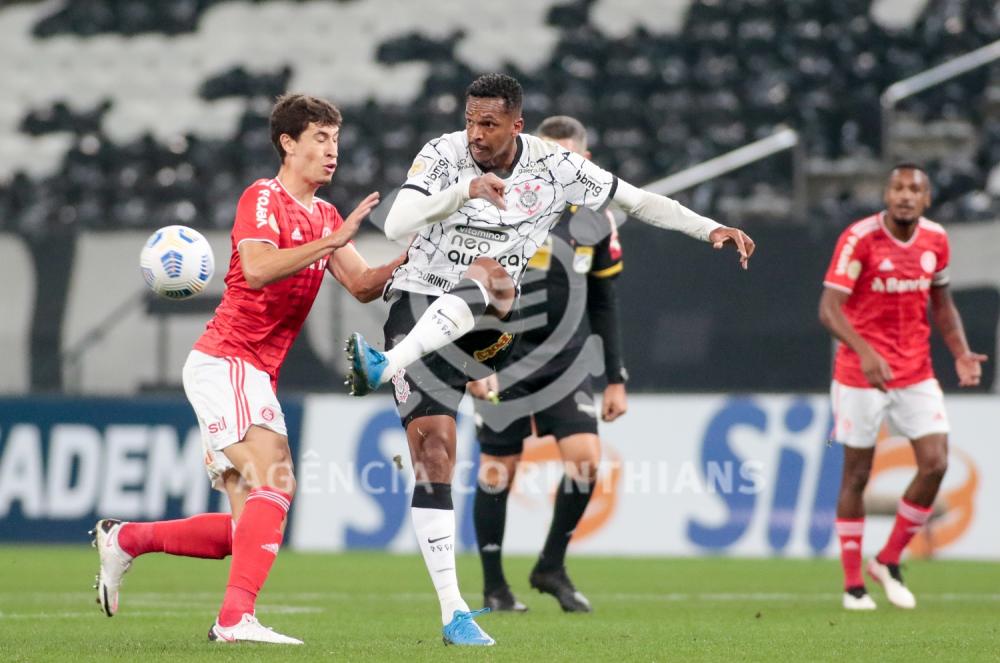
[884,271]
[284,240]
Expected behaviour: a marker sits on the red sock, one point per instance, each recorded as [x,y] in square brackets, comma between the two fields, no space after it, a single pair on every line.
[909,519]
[849,531]
[209,536]
[255,545]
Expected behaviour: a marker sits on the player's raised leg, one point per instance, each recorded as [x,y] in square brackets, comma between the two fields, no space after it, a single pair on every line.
[432,449]
[264,461]
[485,288]
[581,455]
[850,525]
[206,536]
[914,511]
[496,475]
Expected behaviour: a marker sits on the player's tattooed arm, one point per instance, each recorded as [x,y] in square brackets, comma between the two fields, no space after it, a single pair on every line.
[831,314]
[968,364]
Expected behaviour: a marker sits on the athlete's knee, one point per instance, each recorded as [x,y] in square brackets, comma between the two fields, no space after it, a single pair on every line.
[474,293]
[934,467]
[855,479]
[497,472]
[280,475]
[284,480]
[496,282]
[581,456]
[434,458]
[279,472]
[584,469]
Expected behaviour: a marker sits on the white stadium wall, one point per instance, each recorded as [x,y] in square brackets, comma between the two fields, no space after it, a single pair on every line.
[684,475]
[16,270]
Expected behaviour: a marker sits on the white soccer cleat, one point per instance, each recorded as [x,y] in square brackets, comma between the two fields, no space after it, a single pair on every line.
[249,630]
[858,601]
[889,577]
[114,563]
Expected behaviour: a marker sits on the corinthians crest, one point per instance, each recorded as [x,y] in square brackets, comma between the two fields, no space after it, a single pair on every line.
[528,200]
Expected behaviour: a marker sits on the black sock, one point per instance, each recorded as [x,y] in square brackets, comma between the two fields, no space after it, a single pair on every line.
[489,512]
[571,501]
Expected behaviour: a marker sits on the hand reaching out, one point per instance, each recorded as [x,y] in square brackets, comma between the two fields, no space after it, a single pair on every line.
[344,233]
[485,389]
[744,245]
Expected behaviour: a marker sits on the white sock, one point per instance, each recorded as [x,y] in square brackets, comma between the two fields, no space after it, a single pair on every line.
[435,530]
[446,320]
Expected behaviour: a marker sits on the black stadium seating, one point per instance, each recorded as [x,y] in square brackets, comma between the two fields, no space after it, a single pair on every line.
[655,103]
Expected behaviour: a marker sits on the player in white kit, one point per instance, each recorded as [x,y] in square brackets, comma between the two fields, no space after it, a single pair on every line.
[481,202]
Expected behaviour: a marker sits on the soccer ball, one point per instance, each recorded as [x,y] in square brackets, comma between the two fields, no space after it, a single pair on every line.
[177,262]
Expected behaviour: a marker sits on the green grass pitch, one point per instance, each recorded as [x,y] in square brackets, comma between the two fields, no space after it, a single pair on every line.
[375,606]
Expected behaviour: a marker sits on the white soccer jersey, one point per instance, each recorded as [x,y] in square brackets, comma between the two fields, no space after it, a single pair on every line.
[545,178]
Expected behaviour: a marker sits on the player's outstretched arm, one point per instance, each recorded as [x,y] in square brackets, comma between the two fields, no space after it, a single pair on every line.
[363,282]
[263,263]
[831,314]
[415,209]
[667,213]
[968,364]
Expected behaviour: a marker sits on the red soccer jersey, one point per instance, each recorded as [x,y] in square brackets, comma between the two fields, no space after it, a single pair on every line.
[260,326]
[889,283]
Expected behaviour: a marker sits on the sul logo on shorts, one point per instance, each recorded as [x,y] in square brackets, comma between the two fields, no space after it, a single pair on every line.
[267,413]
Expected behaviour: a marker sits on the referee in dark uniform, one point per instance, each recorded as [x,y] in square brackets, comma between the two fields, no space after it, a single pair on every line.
[567,298]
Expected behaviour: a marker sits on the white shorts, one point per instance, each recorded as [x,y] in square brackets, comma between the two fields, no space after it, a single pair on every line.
[913,412]
[228,396]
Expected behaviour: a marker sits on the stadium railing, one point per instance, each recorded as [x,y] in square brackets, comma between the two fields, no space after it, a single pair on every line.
[781,140]
[926,80]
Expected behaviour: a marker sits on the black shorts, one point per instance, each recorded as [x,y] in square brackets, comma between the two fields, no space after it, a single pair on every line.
[435,384]
[574,413]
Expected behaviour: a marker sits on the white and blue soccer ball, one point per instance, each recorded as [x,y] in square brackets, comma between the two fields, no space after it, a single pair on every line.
[177,262]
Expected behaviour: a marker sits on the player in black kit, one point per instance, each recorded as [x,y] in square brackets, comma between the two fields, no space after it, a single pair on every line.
[567,295]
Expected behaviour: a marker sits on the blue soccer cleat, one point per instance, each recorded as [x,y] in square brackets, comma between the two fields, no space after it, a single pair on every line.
[463,630]
[367,366]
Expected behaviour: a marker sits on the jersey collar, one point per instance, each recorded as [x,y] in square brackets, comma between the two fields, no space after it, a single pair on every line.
[896,240]
[298,202]
[513,166]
